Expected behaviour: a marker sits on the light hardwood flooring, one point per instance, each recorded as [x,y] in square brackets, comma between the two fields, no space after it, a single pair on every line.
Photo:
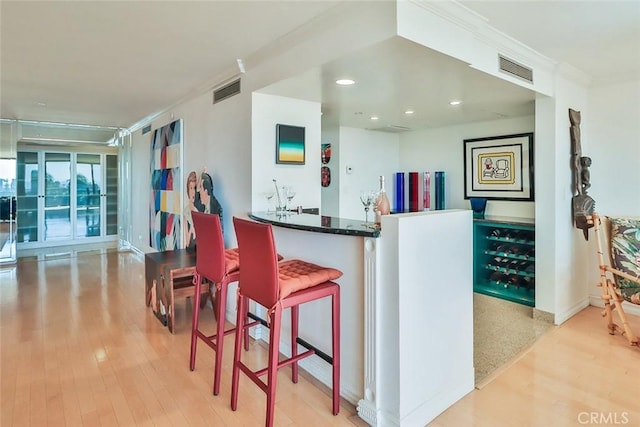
[79,347]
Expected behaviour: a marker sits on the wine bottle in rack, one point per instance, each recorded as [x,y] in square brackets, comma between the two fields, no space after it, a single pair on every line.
[528,282]
[496,277]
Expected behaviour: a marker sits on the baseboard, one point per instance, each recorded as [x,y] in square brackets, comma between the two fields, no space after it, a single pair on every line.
[65,250]
[136,250]
[562,317]
[628,308]
[543,316]
[430,409]
[321,371]
[316,367]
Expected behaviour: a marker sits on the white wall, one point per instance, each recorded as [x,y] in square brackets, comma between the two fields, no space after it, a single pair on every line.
[560,282]
[331,195]
[267,111]
[613,144]
[613,129]
[369,154]
[8,140]
[545,205]
[216,137]
[441,149]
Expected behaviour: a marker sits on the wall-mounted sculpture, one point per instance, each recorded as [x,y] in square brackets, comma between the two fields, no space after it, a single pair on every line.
[582,204]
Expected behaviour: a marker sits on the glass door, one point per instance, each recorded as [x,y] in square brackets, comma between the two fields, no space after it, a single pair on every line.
[89,189]
[7,209]
[28,197]
[8,190]
[57,196]
[111,194]
[65,197]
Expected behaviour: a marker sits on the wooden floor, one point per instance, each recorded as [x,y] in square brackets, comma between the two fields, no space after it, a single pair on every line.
[79,347]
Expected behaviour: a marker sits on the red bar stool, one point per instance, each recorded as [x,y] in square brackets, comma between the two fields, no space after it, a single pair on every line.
[277,286]
[218,266]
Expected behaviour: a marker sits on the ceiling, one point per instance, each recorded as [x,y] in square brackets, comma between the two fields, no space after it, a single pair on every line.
[396,76]
[115,63]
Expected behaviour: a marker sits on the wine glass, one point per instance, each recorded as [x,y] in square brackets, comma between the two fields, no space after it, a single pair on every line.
[269,195]
[289,193]
[367,198]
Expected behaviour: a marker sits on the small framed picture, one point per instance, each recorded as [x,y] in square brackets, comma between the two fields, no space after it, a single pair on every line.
[289,145]
[499,167]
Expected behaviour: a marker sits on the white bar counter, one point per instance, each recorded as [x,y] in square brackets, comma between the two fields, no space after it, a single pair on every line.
[406,309]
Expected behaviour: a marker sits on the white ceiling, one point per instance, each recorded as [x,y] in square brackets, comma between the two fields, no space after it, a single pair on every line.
[114,63]
[398,75]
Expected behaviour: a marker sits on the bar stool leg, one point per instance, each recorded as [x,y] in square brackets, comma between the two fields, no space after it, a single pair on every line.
[246,330]
[335,325]
[272,370]
[194,322]
[294,342]
[221,308]
[237,351]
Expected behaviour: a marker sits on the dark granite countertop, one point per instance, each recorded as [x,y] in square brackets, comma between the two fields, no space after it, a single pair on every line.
[317,223]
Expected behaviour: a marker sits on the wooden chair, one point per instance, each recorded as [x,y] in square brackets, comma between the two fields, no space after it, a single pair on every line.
[220,267]
[277,286]
[620,274]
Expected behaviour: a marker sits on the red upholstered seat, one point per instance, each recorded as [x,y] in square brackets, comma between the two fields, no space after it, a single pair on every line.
[296,275]
[231,260]
[278,286]
[219,267]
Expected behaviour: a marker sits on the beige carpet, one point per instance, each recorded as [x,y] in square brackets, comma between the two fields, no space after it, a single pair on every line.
[502,330]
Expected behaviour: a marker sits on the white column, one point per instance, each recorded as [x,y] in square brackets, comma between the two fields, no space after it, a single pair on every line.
[367,406]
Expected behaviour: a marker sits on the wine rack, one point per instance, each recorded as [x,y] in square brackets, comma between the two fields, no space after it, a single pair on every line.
[504,259]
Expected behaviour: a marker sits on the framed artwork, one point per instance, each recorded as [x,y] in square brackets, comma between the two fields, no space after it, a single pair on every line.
[165,210]
[289,145]
[499,167]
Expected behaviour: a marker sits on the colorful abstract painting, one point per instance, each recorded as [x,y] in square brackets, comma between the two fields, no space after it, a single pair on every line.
[289,144]
[165,229]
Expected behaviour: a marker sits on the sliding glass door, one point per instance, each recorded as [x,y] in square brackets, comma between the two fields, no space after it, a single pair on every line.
[57,196]
[28,197]
[66,197]
[88,194]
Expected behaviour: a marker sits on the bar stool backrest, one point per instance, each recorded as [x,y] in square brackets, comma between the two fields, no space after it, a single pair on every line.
[259,259]
[210,255]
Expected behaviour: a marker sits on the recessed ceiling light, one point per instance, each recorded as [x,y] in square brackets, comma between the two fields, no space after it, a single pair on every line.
[345,82]
[455,102]
[41,104]
[409,112]
[374,117]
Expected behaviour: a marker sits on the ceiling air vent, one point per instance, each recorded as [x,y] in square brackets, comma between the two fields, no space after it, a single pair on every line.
[511,67]
[391,129]
[226,91]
